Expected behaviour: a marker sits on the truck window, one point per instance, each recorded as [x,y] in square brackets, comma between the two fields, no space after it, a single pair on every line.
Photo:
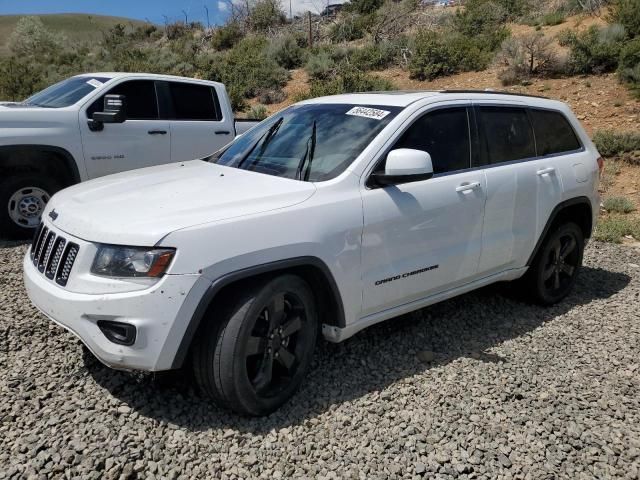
[142,103]
[508,134]
[553,132]
[194,102]
[444,134]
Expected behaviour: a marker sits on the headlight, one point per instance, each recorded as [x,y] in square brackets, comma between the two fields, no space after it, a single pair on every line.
[116,261]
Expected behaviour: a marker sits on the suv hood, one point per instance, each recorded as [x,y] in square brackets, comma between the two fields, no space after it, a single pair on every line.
[142,206]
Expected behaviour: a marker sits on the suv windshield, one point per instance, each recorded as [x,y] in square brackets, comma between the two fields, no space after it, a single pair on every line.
[308,142]
[65,93]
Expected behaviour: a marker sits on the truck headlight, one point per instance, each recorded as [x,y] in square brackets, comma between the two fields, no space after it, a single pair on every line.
[117,261]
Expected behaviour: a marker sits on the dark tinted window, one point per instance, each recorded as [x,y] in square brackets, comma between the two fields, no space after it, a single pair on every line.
[142,103]
[553,132]
[193,102]
[508,134]
[444,134]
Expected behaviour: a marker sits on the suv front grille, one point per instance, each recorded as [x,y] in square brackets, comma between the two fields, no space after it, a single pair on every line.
[53,255]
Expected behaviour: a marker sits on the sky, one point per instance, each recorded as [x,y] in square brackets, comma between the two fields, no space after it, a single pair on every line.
[151,10]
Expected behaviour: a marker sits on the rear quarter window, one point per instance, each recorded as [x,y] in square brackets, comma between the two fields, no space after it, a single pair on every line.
[508,134]
[554,133]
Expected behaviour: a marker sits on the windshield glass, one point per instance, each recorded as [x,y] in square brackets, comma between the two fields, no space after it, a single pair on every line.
[308,142]
[66,93]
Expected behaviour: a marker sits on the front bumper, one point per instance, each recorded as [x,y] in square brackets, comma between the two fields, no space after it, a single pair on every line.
[157,312]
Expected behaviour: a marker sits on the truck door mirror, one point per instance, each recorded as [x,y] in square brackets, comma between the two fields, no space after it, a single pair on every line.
[114,111]
[404,165]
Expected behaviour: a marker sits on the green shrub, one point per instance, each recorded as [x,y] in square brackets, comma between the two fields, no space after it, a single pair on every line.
[364,7]
[629,66]
[482,21]
[627,13]
[553,18]
[258,112]
[266,14]
[610,143]
[525,57]
[226,36]
[348,80]
[246,69]
[612,228]
[320,66]
[435,55]
[594,50]
[286,52]
[349,27]
[618,205]
[373,56]
[270,96]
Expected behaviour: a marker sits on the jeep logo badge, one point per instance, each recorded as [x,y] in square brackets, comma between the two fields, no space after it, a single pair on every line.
[53,214]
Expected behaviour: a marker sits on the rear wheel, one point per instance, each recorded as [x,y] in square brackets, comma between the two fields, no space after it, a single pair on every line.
[555,268]
[252,355]
[22,201]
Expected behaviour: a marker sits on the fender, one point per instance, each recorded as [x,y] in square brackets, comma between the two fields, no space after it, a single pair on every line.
[69,161]
[245,273]
[554,214]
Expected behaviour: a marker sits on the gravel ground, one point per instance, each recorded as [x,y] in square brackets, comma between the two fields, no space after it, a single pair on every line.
[482,386]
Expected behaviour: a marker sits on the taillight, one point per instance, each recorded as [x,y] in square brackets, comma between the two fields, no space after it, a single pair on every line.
[600,165]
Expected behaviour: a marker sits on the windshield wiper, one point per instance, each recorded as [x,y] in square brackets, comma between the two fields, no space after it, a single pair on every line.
[267,138]
[308,154]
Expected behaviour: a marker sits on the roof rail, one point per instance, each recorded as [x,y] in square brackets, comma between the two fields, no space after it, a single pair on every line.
[497,92]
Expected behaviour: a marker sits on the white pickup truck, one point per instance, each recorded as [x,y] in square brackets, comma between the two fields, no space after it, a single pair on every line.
[101,123]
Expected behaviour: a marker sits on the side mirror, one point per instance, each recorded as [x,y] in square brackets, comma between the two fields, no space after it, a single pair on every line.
[114,111]
[404,165]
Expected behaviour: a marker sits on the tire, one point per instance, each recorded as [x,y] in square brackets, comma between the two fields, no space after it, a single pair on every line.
[23,198]
[548,279]
[273,328]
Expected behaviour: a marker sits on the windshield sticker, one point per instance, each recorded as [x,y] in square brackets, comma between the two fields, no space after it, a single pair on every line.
[95,83]
[368,113]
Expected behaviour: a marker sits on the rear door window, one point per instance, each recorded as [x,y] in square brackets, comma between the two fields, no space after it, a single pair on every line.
[141,100]
[553,132]
[194,102]
[508,134]
[444,134]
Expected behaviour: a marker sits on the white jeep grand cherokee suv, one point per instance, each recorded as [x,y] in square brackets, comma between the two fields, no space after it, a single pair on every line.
[332,215]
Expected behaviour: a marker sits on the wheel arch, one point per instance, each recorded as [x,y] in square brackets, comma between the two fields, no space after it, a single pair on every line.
[312,269]
[60,163]
[578,210]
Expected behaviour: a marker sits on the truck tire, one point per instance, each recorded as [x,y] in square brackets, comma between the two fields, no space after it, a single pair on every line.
[555,267]
[23,198]
[254,352]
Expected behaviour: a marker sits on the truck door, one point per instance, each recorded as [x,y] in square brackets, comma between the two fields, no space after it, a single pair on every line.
[142,140]
[424,237]
[198,125]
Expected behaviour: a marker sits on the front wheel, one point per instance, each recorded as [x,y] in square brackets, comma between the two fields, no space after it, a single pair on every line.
[22,201]
[555,268]
[253,353]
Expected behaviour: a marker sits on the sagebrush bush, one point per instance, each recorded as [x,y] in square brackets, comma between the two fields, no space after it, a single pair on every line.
[594,50]
[350,26]
[374,56]
[525,57]
[226,36]
[627,13]
[435,55]
[610,143]
[271,95]
[348,79]
[553,18]
[258,112]
[613,228]
[264,15]
[320,66]
[618,205]
[286,52]
[629,66]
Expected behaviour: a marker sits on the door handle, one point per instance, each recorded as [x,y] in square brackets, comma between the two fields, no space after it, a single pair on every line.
[545,171]
[222,132]
[466,187]
[157,132]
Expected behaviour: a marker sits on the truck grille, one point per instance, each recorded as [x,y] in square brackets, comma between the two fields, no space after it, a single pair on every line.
[53,255]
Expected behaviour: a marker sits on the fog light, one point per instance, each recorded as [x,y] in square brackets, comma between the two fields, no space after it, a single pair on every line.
[118,332]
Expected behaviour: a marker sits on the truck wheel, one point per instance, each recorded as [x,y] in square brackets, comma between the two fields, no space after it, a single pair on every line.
[253,354]
[555,268]
[22,201]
